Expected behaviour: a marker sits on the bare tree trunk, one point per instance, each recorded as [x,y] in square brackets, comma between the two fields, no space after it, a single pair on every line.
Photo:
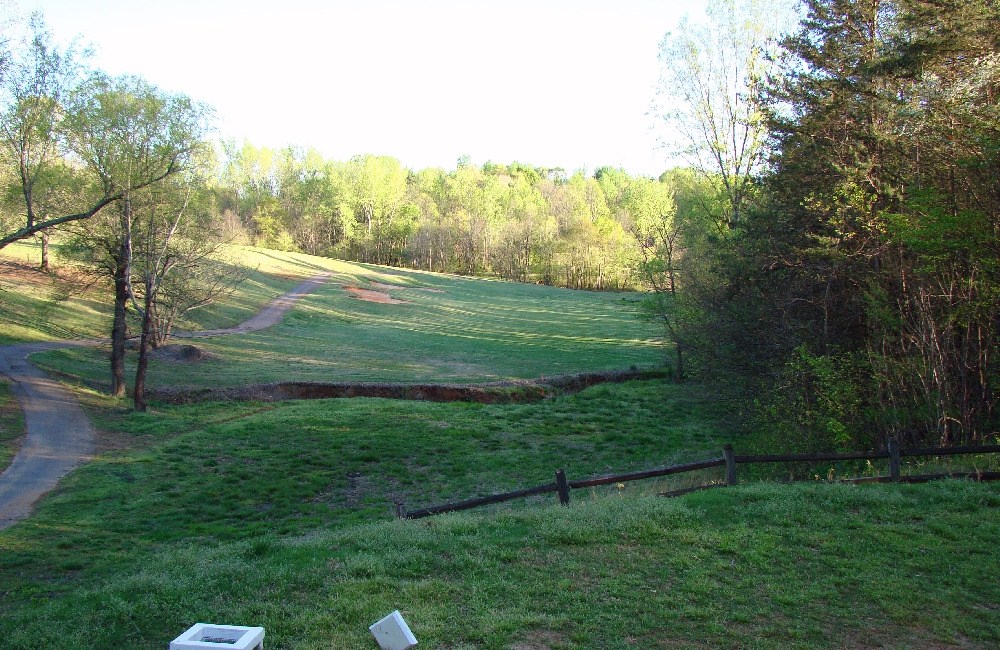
[44,266]
[118,326]
[139,395]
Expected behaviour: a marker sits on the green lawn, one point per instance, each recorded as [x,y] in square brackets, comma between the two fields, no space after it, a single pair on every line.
[470,330]
[758,566]
[11,424]
[39,307]
[68,304]
[281,514]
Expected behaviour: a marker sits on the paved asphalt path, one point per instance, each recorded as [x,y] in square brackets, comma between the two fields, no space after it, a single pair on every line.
[60,435]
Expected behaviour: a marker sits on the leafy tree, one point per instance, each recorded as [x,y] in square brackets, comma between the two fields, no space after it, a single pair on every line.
[175,265]
[36,82]
[130,136]
[711,73]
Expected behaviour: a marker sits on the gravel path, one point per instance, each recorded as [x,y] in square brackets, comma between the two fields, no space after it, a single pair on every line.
[60,436]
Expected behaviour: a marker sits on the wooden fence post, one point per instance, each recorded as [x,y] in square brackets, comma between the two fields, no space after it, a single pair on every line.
[730,458]
[893,460]
[562,487]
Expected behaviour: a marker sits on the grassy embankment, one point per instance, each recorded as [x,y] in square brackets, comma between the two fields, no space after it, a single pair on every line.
[11,424]
[248,520]
[67,304]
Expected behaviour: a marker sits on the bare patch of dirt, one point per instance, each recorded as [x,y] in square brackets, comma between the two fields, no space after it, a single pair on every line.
[68,280]
[373,296]
[382,285]
[356,484]
[22,273]
[497,392]
[541,640]
[183,353]
[106,441]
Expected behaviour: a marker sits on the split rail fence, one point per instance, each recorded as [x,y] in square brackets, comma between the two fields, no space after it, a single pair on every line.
[729,460]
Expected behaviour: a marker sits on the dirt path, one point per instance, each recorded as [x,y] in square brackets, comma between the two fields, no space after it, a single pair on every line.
[60,436]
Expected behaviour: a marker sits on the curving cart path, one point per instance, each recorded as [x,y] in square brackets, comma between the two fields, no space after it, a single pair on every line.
[60,435]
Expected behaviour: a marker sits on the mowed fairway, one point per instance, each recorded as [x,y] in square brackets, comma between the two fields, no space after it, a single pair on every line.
[437,328]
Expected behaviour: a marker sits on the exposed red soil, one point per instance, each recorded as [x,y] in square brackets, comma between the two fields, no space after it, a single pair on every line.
[373,296]
[497,392]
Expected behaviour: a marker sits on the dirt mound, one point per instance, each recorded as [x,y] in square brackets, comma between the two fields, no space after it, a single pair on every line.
[497,392]
[373,296]
[182,352]
[381,285]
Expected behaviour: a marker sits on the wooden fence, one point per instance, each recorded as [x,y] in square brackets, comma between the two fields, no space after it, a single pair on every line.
[729,460]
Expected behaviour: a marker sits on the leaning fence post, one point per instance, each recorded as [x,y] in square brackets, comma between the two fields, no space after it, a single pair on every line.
[562,487]
[730,458]
[893,460]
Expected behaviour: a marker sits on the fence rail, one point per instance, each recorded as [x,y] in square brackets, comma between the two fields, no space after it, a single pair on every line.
[729,460]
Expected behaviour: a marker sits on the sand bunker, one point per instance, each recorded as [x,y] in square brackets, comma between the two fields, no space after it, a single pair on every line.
[380,285]
[373,296]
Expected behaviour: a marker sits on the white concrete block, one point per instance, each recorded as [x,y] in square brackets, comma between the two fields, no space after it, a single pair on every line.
[392,633]
[218,637]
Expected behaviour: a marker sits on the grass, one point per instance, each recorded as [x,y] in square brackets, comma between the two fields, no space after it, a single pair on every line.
[43,307]
[471,330]
[759,566]
[67,304]
[281,515]
[11,424]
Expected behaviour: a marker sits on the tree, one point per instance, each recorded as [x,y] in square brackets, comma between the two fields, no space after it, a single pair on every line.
[130,135]
[35,86]
[656,228]
[174,271]
[710,76]
[866,278]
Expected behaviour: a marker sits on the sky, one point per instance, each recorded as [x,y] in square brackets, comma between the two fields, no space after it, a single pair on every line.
[553,83]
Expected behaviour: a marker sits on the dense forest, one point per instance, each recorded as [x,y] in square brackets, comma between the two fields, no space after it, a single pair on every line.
[830,248]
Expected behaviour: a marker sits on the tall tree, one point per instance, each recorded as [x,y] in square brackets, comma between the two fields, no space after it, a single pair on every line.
[711,73]
[130,135]
[35,85]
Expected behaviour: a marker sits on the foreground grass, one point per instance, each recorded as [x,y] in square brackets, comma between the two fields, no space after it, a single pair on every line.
[467,330]
[282,515]
[761,566]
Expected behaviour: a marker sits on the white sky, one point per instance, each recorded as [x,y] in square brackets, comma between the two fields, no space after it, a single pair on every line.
[553,83]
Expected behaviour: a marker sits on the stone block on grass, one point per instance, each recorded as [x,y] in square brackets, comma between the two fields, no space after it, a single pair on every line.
[392,633]
[232,637]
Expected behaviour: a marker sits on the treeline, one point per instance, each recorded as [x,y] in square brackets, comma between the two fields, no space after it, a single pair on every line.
[516,221]
[858,293]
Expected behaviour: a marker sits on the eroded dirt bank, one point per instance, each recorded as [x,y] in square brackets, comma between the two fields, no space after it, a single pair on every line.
[498,392]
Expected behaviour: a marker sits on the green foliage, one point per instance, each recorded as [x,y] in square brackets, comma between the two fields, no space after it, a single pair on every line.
[817,405]
[516,221]
[874,245]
